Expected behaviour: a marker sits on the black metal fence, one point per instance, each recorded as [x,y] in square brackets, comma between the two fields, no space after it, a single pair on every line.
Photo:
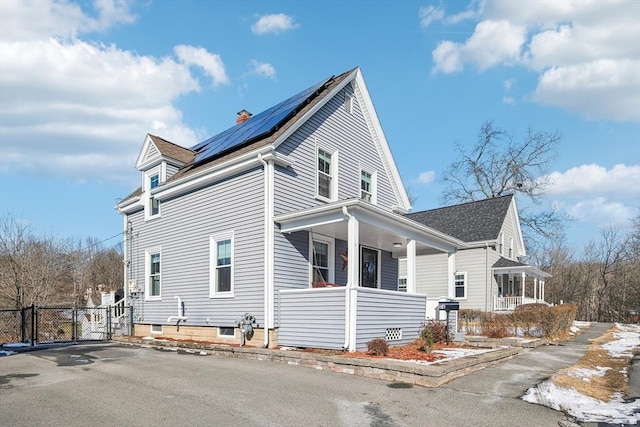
[39,325]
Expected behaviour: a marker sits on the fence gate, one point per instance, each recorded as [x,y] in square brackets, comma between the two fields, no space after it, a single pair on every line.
[42,325]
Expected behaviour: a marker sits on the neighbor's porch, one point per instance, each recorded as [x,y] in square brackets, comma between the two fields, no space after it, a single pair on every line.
[518,284]
[346,317]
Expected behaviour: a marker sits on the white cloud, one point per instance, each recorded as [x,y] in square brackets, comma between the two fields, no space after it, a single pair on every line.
[426,177]
[36,19]
[597,195]
[594,179]
[72,108]
[275,23]
[601,211]
[586,53]
[599,89]
[210,63]
[262,69]
[430,14]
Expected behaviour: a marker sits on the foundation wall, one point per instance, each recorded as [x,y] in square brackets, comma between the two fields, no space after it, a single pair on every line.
[208,334]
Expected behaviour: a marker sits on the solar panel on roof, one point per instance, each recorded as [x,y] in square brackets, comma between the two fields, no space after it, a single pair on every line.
[259,125]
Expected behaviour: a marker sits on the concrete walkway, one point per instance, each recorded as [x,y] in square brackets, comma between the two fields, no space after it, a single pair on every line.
[513,377]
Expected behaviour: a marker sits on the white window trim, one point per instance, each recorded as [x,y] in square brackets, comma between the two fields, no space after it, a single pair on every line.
[147,187]
[147,273]
[333,188]
[378,265]
[155,332]
[221,335]
[511,248]
[466,284]
[213,260]
[400,278]
[331,255]
[501,243]
[374,185]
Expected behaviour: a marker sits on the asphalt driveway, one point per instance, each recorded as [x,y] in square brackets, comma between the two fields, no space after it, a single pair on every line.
[112,384]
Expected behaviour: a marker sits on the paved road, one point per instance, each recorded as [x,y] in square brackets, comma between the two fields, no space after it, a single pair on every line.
[111,384]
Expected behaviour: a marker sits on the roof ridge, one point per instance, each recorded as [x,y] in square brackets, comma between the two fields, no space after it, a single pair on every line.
[462,204]
[169,142]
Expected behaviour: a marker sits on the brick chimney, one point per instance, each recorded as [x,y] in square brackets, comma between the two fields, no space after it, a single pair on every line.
[243,116]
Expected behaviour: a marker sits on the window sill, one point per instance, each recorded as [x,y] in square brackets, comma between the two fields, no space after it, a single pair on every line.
[151,218]
[158,298]
[221,295]
[324,199]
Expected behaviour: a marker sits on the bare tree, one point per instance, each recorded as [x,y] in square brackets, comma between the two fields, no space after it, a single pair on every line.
[497,165]
[32,269]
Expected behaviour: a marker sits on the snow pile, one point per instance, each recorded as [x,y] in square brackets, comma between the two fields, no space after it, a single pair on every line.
[625,341]
[449,354]
[585,408]
[582,407]
[6,353]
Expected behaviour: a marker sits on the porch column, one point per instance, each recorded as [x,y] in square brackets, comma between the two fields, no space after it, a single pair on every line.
[411,267]
[542,290]
[524,276]
[535,289]
[451,271]
[353,278]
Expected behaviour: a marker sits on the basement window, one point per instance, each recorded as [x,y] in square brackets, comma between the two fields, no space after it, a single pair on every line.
[156,329]
[226,331]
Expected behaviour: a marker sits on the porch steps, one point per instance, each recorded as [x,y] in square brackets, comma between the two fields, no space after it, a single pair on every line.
[433,375]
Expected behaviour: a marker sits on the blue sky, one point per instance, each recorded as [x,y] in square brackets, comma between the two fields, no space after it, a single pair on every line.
[81,83]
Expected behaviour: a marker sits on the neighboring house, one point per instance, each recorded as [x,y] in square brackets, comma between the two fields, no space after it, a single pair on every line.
[295,216]
[489,275]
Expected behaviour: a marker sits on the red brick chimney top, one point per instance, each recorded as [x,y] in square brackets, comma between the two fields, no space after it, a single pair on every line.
[243,116]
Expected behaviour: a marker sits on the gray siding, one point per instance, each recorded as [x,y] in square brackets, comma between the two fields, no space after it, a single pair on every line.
[171,170]
[183,232]
[379,310]
[389,271]
[336,129]
[431,274]
[312,318]
[291,260]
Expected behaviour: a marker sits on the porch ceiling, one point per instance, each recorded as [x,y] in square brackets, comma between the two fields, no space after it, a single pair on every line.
[377,228]
[526,269]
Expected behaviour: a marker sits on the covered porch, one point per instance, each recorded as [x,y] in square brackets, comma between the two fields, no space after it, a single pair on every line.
[369,304]
[518,284]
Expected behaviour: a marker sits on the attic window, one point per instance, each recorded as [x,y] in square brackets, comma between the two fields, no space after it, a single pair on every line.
[154,204]
[348,98]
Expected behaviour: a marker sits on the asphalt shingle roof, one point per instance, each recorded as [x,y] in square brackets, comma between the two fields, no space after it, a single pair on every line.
[470,222]
[505,262]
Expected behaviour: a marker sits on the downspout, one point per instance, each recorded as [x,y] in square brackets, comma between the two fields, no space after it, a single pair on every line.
[268,253]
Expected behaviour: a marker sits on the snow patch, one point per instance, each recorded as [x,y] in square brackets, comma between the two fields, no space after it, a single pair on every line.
[584,408]
[625,341]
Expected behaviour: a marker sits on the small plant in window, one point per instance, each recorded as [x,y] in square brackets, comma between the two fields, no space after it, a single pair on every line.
[378,347]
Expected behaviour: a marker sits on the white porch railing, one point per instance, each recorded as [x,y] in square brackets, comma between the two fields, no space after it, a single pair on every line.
[506,303]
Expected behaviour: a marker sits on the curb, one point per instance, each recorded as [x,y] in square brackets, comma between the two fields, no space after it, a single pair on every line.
[433,375]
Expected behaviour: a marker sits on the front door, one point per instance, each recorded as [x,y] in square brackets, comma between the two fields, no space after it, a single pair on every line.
[369,268]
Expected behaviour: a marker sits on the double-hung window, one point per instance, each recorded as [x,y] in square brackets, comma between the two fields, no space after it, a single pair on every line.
[221,275]
[325,174]
[511,248]
[460,285]
[154,204]
[366,186]
[322,260]
[154,271]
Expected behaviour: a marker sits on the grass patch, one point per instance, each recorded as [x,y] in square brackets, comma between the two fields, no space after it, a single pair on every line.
[598,374]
